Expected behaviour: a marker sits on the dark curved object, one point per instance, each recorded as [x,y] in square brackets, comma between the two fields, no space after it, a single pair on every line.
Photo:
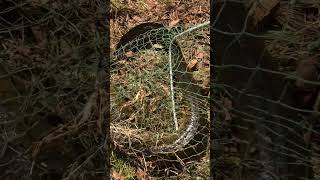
[133,34]
[136,31]
[147,43]
[165,157]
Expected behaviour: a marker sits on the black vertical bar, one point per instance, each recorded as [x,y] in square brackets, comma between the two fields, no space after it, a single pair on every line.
[214,135]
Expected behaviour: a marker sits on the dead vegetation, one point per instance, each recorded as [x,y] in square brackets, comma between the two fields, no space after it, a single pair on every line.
[51,124]
[49,56]
[291,39]
[125,15]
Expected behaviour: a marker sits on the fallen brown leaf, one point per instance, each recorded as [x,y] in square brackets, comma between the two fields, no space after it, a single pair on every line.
[174,22]
[263,8]
[192,64]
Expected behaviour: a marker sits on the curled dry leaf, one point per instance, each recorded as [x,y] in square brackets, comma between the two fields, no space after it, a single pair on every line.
[262,9]
[192,64]
[174,22]
[131,102]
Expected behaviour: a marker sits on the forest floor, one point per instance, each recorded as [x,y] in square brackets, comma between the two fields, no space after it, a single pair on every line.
[290,32]
[125,14]
[51,122]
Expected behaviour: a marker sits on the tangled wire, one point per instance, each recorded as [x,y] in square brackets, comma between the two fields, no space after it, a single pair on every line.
[169,154]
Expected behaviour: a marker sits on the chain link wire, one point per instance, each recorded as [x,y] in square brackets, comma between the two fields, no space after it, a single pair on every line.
[52,125]
[142,123]
[266,120]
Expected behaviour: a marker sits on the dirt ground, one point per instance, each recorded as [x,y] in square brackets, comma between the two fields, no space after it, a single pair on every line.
[126,14]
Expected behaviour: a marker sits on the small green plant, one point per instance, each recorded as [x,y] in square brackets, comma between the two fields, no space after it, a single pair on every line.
[122,167]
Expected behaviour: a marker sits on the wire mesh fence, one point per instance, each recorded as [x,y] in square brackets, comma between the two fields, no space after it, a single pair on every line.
[266,117]
[52,125]
[159,97]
